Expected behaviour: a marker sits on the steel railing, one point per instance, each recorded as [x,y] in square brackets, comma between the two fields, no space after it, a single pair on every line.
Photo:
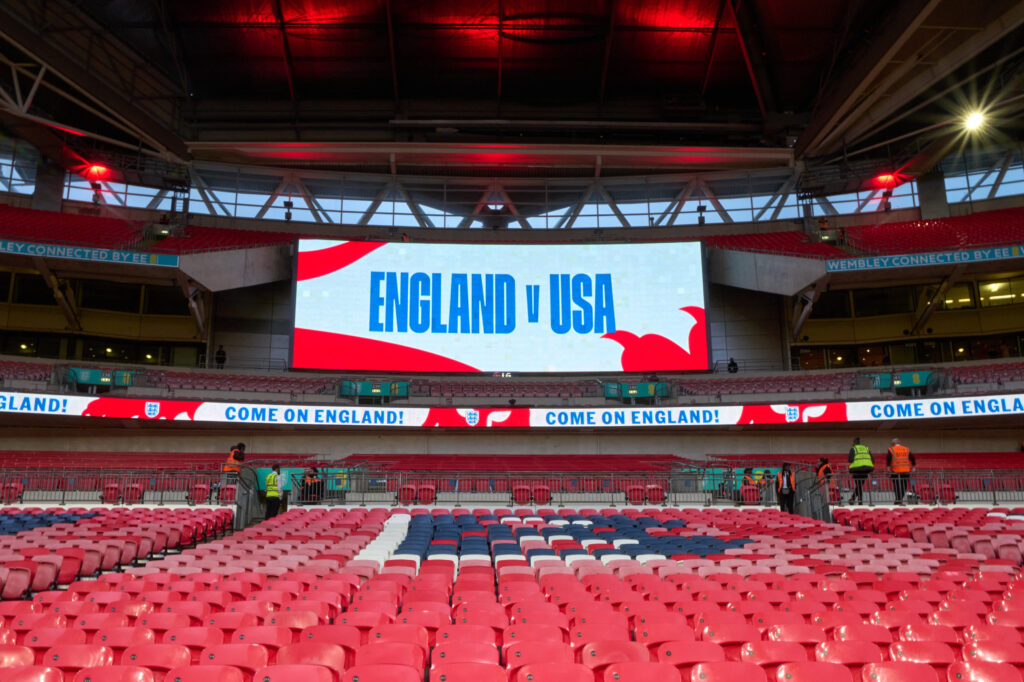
[60,486]
[932,486]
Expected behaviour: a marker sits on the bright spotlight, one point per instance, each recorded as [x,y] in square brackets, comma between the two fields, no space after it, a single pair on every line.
[974,120]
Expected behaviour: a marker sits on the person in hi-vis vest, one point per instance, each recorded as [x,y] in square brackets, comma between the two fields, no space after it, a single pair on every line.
[901,462]
[785,489]
[861,464]
[273,491]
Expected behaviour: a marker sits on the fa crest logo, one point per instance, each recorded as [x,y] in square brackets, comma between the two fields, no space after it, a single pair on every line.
[472,417]
[792,413]
[152,409]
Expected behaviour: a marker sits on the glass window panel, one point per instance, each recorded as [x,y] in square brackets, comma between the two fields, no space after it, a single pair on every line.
[882,301]
[958,296]
[32,289]
[118,296]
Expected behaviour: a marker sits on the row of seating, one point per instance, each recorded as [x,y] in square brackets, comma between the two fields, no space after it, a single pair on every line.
[512,463]
[998,373]
[67,545]
[75,464]
[1004,226]
[24,371]
[526,594]
[34,225]
[197,238]
[219,381]
[790,243]
[783,383]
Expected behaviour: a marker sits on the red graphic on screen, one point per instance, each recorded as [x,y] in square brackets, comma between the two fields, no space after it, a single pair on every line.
[484,417]
[653,352]
[313,264]
[327,350]
[791,414]
[133,408]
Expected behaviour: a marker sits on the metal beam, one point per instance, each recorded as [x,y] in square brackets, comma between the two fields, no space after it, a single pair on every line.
[375,204]
[748,32]
[781,193]
[286,49]
[485,199]
[391,52]
[278,191]
[205,194]
[319,214]
[809,297]
[606,60]
[78,76]
[613,206]
[64,299]
[501,23]
[1002,174]
[898,96]
[567,220]
[523,222]
[154,203]
[894,31]
[194,296]
[930,306]
[422,219]
[676,205]
[175,46]
[706,191]
[709,59]
[867,200]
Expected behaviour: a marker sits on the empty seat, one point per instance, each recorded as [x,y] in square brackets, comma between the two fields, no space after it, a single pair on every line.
[381,672]
[115,673]
[294,673]
[899,672]
[468,672]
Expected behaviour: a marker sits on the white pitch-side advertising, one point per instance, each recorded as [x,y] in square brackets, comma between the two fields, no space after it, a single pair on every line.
[406,307]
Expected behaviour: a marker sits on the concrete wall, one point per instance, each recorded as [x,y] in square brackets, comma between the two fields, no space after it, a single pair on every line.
[748,326]
[694,444]
[254,325]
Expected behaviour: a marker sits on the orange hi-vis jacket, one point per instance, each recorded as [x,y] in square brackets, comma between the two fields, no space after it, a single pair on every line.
[233,465]
[778,482]
[900,459]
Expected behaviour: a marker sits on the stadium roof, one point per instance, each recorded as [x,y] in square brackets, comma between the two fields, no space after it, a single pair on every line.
[704,83]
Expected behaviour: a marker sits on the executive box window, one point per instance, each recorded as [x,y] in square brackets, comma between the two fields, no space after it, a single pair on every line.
[164,301]
[117,296]
[32,289]
[958,296]
[1001,292]
[882,301]
[5,286]
[831,305]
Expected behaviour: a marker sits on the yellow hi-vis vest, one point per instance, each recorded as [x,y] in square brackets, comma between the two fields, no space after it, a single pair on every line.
[862,458]
[272,488]
[900,459]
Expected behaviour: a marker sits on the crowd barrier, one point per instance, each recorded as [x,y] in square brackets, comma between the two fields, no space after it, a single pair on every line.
[59,486]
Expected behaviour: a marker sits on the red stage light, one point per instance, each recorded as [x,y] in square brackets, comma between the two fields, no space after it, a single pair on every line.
[886,180]
[95,171]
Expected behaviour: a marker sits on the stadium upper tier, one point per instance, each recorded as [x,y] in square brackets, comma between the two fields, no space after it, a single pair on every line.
[68,228]
[198,238]
[979,229]
[183,383]
[789,243]
[1005,226]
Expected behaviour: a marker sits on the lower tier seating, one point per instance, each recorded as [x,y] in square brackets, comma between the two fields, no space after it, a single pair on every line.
[42,550]
[423,462]
[521,595]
